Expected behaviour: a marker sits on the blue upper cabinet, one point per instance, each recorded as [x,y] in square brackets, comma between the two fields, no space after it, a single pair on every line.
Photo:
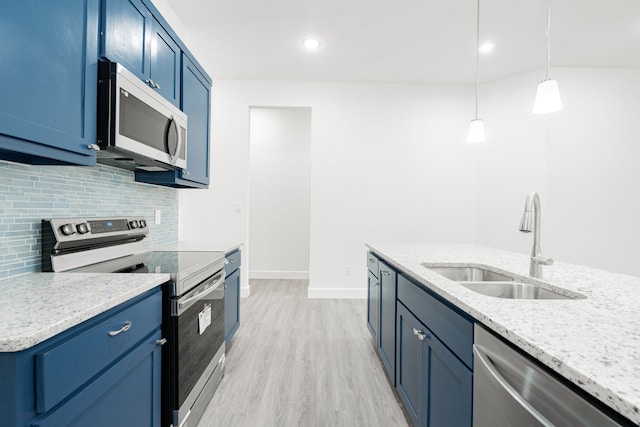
[48,85]
[196,99]
[132,37]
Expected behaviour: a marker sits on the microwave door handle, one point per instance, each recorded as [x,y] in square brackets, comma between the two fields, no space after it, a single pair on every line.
[179,141]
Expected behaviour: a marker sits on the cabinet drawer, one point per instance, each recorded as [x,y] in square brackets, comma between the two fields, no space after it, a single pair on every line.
[373,263]
[233,262]
[66,367]
[451,327]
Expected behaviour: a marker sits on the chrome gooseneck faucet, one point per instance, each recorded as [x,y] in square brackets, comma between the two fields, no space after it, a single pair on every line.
[531,222]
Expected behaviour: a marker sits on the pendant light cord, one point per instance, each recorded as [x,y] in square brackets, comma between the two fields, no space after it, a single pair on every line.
[548,37]
[478,55]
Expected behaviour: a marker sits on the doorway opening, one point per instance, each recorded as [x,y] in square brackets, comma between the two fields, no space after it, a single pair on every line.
[279,192]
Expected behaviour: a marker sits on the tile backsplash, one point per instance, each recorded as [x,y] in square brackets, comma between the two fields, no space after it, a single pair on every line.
[29,194]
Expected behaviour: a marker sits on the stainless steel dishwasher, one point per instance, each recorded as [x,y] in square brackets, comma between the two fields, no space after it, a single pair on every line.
[509,389]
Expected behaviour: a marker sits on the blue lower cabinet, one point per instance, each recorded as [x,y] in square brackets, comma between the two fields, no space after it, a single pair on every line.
[127,394]
[232,294]
[49,81]
[91,374]
[231,305]
[387,328]
[373,306]
[434,386]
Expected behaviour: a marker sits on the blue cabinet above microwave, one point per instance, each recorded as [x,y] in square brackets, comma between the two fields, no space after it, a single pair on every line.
[48,84]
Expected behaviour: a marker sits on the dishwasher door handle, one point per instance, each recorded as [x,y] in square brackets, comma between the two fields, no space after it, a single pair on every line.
[493,373]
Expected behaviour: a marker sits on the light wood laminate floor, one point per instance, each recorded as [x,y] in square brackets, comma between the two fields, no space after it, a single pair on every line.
[302,362]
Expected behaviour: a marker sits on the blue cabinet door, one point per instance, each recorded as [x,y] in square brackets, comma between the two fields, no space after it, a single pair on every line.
[231,305]
[49,81]
[126,30]
[373,306]
[127,394]
[165,64]
[449,386]
[387,330]
[196,97]
[411,366]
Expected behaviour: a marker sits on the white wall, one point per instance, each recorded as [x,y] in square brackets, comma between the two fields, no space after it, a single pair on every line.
[280,142]
[388,163]
[583,160]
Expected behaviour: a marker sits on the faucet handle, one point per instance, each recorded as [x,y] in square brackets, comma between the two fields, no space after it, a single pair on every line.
[542,260]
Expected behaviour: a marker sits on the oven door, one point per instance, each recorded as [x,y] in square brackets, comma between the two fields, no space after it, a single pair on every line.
[197,331]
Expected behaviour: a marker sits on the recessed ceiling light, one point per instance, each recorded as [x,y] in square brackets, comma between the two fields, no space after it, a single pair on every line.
[487,47]
[311,43]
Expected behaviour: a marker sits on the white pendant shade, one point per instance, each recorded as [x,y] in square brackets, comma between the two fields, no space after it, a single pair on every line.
[476,131]
[547,97]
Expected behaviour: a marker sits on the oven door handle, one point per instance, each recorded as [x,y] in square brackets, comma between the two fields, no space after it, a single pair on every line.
[182,305]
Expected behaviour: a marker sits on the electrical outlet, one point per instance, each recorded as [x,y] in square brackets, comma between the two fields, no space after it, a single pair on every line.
[347,270]
[158,216]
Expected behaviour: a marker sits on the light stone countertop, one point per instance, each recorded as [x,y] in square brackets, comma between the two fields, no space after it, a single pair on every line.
[185,245]
[593,342]
[37,306]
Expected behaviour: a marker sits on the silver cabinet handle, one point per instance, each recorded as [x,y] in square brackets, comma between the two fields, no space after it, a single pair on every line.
[162,341]
[372,260]
[185,172]
[151,83]
[418,333]
[376,284]
[156,85]
[386,273]
[125,328]
[94,147]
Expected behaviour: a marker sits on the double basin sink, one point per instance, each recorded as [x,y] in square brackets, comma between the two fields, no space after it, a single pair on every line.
[487,282]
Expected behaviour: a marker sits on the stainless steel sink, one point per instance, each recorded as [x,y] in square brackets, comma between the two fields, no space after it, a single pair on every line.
[512,290]
[469,274]
[487,282]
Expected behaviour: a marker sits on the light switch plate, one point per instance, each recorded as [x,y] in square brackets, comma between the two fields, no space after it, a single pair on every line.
[158,216]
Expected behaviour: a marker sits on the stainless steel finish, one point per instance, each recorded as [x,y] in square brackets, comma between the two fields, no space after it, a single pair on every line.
[125,328]
[193,296]
[509,389]
[179,141]
[513,290]
[132,84]
[420,335]
[469,274]
[198,399]
[71,261]
[161,341]
[187,279]
[531,222]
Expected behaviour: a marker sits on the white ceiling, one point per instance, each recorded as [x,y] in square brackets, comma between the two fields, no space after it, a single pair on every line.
[407,41]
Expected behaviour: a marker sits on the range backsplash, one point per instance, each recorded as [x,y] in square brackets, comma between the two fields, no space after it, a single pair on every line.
[31,193]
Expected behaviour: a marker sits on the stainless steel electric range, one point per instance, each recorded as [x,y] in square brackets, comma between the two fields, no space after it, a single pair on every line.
[193,301]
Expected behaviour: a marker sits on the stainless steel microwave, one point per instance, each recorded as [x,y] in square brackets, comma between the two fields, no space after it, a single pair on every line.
[137,127]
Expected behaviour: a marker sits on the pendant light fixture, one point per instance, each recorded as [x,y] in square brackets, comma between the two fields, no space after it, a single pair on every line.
[476,126]
[548,94]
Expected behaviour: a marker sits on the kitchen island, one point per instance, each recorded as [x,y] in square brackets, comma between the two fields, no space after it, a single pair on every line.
[593,342]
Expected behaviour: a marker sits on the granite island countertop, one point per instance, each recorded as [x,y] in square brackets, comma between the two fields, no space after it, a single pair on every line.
[37,306]
[593,342]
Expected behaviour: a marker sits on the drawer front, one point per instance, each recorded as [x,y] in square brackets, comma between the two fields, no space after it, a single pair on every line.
[373,264]
[69,365]
[233,262]
[451,327]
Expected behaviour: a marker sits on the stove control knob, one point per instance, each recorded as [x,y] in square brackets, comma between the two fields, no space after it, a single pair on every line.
[133,224]
[143,223]
[67,229]
[82,228]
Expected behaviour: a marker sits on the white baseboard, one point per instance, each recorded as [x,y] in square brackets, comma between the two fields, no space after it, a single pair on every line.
[245,291]
[337,293]
[299,275]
